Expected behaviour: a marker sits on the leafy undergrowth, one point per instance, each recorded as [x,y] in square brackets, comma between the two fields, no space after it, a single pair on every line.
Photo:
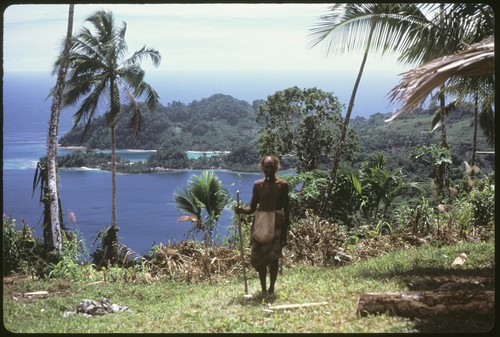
[192,290]
[312,242]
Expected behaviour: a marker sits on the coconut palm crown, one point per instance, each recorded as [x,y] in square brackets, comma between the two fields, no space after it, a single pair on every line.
[100,73]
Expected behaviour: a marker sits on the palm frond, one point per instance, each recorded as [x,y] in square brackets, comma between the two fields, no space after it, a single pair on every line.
[121,47]
[347,27]
[191,218]
[209,190]
[40,178]
[88,107]
[151,95]
[436,117]
[85,44]
[136,119]
[133,77]
[187,202]
[114,105]
[416,84]
[144,53]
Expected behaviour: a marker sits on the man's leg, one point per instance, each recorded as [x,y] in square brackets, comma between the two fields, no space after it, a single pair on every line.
[262,277]
[273,271]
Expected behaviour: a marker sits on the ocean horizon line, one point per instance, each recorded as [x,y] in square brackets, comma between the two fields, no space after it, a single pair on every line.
[249,86]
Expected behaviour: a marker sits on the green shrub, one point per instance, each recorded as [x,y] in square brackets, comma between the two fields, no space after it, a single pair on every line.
[483,203]
[20,248]
[71,262]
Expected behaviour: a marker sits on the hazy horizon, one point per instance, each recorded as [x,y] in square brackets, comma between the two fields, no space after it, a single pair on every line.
[246,85]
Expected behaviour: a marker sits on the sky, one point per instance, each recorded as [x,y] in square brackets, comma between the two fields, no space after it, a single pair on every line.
[190,37]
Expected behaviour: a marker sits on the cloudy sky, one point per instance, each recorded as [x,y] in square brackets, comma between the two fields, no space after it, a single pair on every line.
[188,36]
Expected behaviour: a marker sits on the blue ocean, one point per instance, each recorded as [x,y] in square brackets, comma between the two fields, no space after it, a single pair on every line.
[146,213]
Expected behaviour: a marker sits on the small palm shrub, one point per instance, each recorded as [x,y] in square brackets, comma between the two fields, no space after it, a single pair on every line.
[203,198]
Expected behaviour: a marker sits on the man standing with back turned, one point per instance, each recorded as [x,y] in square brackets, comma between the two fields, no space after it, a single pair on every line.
[269,231]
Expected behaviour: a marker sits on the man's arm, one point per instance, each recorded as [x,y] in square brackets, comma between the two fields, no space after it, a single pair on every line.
[253,203]
[286,209]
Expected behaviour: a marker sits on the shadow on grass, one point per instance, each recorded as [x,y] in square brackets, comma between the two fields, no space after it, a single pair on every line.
[257,300]
[422,279]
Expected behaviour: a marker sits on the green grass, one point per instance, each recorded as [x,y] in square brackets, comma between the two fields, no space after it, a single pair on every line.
[171,306]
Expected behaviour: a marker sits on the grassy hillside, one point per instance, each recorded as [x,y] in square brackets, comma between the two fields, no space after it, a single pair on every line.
[167,305]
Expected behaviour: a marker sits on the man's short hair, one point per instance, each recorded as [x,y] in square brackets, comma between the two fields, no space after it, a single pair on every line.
[274,158]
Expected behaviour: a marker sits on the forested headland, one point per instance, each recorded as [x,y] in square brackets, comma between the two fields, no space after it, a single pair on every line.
[224,123]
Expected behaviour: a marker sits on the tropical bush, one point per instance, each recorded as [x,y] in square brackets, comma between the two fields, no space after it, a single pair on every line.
[482,199]
[21,250]
[72,262]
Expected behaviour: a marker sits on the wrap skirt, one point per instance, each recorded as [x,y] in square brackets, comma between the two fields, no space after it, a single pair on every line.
[261,255]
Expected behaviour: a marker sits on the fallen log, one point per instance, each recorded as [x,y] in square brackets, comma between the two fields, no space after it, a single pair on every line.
[421,304]
[126,254]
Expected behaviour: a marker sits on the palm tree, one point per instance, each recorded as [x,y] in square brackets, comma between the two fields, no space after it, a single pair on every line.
[384,27]
[478,93]
[204,198]
[454,29]
[99,71]
[52,186]
[402,28]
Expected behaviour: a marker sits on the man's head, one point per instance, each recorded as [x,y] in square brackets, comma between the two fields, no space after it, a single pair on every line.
[269,165]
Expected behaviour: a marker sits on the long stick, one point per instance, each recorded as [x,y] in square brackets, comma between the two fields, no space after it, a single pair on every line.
[293,306]
[241,243]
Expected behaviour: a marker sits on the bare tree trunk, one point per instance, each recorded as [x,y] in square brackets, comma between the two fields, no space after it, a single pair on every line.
[55,211]
[345,125]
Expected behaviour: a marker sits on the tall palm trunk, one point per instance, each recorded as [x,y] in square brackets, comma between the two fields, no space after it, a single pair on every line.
[444,182]
[444,142]
[474,136]
[55,211]
[340,145]
[113,176]
[110,238]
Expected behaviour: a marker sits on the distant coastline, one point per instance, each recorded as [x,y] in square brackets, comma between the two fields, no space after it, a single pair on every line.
[83,168]
[191,154]
[135,160]
[84,148]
